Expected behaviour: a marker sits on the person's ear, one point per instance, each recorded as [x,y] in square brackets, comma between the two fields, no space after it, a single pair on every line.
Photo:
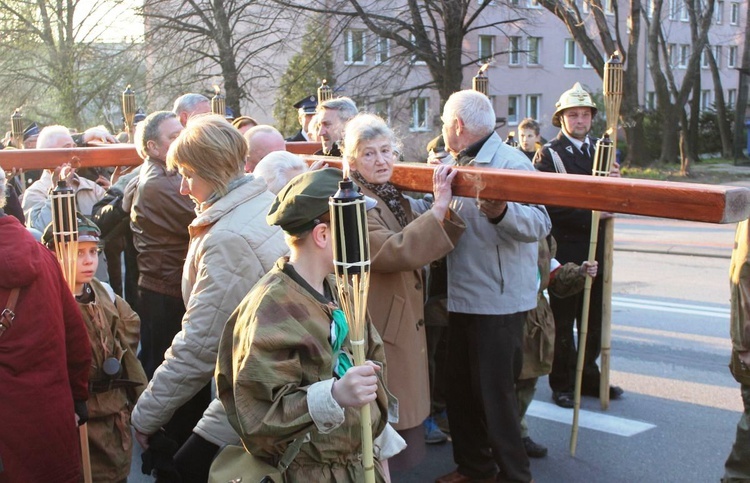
[459,126]
[321,235]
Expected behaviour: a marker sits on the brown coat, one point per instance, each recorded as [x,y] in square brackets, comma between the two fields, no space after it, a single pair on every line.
[396,298]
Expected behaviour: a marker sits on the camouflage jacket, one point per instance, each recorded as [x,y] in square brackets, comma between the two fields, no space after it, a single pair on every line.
[274,352]
[539,333]
[114,331]
[739,280]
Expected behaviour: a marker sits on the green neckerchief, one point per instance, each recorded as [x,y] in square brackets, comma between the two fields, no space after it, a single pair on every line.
[339,333]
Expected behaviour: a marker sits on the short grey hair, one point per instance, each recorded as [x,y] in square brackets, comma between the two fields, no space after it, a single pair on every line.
[365,127]
[278,168]
[188,103]
[473,108]
[2,188]
[346,107]
[148,130]
[49,136]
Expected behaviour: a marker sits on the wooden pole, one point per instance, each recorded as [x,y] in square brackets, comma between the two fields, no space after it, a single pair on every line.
[664,199]
[606,274]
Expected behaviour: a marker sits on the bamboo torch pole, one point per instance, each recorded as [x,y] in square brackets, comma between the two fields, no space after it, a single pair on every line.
[613,92]
[128,112]
[602,163]
[65,235]
[351,254]
[218,103]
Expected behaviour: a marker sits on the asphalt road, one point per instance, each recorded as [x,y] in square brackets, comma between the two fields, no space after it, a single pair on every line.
[670,350]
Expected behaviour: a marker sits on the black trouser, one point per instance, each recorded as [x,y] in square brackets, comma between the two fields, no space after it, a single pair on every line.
[567,311]
[484,361]
[161,319]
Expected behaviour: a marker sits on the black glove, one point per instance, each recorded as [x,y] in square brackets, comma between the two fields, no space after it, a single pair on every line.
[159,457]
[82,411]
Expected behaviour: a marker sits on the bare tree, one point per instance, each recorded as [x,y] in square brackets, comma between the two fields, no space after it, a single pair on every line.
[599,45]
[722,121]
[424,31]
[57,62]
[742,94]
[197,41]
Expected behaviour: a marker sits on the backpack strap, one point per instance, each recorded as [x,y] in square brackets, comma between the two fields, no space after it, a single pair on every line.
[8,314]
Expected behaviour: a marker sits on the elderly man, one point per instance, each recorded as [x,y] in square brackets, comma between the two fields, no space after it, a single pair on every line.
[492,283]
[36,205]
[572,152]
[278,168]
[334,114]
[261,140]
[305,112]
[189,105]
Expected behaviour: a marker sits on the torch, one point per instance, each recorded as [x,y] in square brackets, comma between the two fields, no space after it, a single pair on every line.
[351,255]
[218,103]
[324,92]
[511,139]
[16,132]
[613,92]
[128,111]
[65,236]
[480,82]
[603,158]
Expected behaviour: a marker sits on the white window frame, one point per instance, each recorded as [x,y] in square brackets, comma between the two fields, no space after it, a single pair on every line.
[533,103]
[719,12]
[734,13]
[585,62]
[514,50]
[382,45]
[704,58]
[533,4]
[482,56]
[349,38]
[651,100]
[569,50]
[514,103]
[684,56]
[717,56]
[732,60]
[673,55]
[674,9]
[609,8]
[414,59]
[533,53]
[731,97]
[705,100]
[684,16]
[420,104]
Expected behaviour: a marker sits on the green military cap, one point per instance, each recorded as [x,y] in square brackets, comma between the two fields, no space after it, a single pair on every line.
[303,200]
[87,231]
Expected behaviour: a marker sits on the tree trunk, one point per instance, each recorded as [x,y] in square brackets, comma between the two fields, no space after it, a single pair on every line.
[694,119]
[725,130]
[742,94]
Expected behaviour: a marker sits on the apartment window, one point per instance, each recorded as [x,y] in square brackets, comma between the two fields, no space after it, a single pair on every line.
[719,11]
[382,108]
[514,104]
[414,59]
[514,58]
[674,9]
[382,50]
[684,55]
[570,53]
[704,58]
[651,100]
[672,54]
[609,7]
[684,16]
[532,106]
[717,56]
[731,97]
[585,62]
[533,4]
[734,15]
[419,114]
[486,48]
[649,8]
[532,54]
[705,100]
[355,47]
[732,62]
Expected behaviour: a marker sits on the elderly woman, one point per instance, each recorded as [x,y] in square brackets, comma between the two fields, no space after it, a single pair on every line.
[402,242]
[231,248]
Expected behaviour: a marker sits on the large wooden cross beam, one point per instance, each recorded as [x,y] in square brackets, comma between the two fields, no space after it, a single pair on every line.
[665,199]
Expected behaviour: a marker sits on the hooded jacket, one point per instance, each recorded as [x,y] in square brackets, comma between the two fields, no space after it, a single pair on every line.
[44,364]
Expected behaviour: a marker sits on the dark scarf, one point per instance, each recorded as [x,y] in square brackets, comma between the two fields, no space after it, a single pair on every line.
[388,193]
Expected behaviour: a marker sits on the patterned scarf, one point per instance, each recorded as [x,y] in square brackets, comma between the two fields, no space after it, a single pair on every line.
[386,192]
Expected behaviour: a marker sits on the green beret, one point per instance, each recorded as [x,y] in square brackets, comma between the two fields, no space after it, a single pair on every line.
[303,200]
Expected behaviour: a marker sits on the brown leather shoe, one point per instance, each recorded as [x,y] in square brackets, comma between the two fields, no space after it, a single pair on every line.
[456,477]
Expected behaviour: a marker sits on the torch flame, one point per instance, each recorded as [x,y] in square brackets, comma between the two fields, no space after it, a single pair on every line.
[217,91]
[609,132]
[483,68]
[324,82]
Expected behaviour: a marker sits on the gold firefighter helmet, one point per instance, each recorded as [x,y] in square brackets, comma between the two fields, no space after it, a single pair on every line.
[575,97]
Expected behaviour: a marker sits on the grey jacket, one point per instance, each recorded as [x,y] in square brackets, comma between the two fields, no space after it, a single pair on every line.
[493,269]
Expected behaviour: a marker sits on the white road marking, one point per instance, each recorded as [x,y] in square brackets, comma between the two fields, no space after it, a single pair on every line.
[677,308]
[589,419]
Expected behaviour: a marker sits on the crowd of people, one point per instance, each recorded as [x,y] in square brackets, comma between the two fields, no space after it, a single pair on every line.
[229,301]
